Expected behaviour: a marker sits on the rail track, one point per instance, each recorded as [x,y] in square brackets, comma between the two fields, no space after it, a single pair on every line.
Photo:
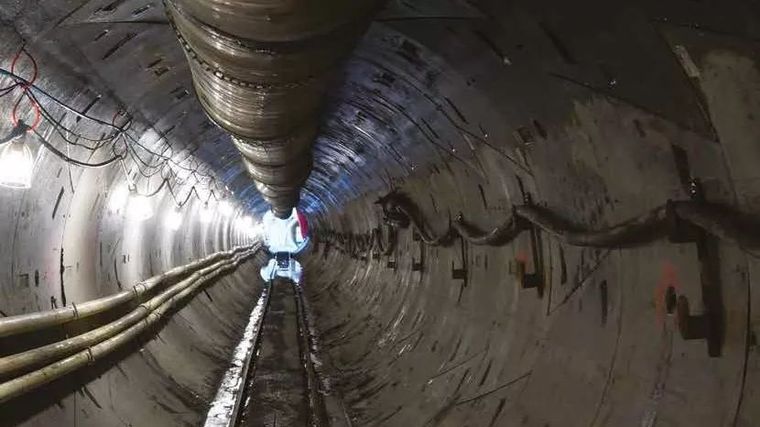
[274,383]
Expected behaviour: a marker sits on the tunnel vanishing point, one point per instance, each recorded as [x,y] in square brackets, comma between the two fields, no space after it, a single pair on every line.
[533,213]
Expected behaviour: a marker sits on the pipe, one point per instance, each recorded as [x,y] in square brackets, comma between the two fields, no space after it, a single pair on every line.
[641,229]
[676,220]
[261,70]
[35,357]
[499,235]
[22,323]
[53,371]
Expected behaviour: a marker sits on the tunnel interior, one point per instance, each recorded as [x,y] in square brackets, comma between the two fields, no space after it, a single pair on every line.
[596,111]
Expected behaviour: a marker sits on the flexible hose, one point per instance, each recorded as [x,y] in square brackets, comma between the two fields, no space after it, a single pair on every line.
[663,221]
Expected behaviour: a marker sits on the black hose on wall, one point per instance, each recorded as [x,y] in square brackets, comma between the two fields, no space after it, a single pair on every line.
[680,221]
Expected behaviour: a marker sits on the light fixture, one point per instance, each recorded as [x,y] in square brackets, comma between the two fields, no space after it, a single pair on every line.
[206,214]
[173,220]
[226,208]
[139,207]
[118,198]
[16,161]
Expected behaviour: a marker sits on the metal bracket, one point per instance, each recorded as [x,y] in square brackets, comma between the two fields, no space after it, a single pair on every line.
[528,280]
[461,273]
[20,129]
[680,231]
[690,326]
[708,325]
[458,273]
[417,265]
[533,280]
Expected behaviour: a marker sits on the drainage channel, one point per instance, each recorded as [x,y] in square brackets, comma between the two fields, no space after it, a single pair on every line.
[271,380]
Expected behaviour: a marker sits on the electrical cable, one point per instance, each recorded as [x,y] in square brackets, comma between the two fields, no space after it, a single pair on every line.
[66,158]
[30,86]
[157,164]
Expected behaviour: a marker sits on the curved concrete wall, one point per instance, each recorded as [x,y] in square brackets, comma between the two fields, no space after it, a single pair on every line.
[598,119]
[63,244]
[599,111]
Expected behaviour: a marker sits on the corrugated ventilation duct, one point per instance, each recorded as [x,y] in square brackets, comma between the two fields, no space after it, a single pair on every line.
[261,69]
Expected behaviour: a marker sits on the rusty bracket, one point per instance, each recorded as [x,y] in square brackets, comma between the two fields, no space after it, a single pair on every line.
[691,327]
[461,273]
[528,280]
[710,324]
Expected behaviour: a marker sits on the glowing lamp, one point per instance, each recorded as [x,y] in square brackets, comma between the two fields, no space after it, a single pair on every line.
[118,198]
[16,164]
[139,207]
[207,214]
[173,220]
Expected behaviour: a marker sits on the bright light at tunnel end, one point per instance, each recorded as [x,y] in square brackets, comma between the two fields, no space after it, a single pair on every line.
[247,226]
[226,208]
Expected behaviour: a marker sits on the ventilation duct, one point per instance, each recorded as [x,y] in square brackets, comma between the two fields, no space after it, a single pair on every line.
[261,69]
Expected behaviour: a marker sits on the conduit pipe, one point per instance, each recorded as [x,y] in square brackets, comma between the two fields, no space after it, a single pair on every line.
[37,356]
[679,221]
[22,323]
[261,69]
[53,371]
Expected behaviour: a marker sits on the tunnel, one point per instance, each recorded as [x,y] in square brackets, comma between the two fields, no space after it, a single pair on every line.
[522,213]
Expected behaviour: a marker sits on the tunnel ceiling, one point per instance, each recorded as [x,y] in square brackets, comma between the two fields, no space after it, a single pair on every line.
[408,97]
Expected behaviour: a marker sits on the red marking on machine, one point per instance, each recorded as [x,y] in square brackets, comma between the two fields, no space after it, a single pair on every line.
[668,278]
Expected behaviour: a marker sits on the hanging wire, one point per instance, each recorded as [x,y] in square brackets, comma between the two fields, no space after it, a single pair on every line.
[122,144]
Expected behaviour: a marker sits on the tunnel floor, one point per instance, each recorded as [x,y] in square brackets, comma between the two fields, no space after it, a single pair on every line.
[276,392]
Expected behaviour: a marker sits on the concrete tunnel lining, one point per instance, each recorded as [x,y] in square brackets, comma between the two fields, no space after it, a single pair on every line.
[599,111]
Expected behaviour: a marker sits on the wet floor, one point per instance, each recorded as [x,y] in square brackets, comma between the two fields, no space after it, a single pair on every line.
[277,386]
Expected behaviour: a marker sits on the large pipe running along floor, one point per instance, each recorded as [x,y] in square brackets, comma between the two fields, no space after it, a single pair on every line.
[563,116]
